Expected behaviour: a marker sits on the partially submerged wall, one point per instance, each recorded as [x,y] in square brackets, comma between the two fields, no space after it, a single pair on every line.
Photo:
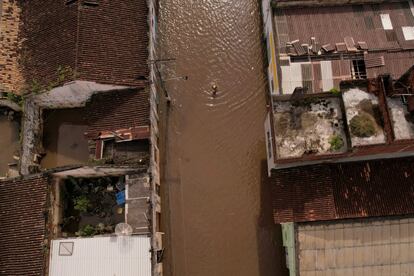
[11,79]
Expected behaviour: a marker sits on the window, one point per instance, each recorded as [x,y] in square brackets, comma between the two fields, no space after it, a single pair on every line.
[358,69]
[269,144]
[158,226]
[160,255]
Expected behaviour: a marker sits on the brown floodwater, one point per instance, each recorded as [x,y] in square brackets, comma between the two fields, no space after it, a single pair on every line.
[63,138]
[9,142]
[216,200]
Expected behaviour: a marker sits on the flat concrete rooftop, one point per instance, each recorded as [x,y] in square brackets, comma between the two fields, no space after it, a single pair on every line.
[309,126]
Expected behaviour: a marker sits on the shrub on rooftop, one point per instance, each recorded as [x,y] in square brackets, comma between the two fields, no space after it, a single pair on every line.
[335,91]
[336,142]
[362,126]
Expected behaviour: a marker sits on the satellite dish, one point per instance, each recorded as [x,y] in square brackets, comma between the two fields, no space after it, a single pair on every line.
[123,229]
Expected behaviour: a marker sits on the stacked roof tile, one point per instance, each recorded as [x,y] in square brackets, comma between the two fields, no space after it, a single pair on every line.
[22,221]
[105,43]
[344,190]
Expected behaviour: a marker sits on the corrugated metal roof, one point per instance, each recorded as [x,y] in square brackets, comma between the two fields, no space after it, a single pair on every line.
[344,190]
[362,247]
[103,256]
[334,25]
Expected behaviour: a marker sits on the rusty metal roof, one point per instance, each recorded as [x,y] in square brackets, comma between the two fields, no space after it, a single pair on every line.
[344,190]
[360,27]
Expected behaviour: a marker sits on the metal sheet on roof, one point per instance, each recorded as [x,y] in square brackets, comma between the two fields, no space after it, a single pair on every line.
[369,247]
[120,256]
[330,25]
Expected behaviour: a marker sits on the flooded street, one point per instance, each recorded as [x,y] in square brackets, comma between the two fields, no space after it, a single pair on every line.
[216,202]
[9,142]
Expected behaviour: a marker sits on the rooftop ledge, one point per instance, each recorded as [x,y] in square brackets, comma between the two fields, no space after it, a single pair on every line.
[364,119]
[307,3]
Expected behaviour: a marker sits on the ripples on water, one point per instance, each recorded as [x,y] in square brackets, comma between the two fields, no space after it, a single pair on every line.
[215,144]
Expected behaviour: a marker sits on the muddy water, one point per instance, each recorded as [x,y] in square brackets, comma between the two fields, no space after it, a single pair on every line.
[63,138]
[217,210]
[9,142]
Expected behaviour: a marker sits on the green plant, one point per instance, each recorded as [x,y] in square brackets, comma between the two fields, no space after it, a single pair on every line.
[335,91]
[362,125]
[99,162]
[81,204]
[63,74]
[86,231]
[36,87]
[336,142]
[14,98]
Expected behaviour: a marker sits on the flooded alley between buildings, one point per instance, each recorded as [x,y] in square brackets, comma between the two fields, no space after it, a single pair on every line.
[9,139]
[63,138]
[217,209]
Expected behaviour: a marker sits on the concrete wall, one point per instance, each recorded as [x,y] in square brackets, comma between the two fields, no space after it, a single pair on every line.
[289,243]
[269,143]
[155,93]
[269,35]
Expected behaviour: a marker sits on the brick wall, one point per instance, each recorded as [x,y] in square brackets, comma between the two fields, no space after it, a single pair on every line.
[10,75]
[106,43]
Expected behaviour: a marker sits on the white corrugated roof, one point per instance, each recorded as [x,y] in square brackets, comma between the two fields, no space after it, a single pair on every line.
[101,256]
[366,247]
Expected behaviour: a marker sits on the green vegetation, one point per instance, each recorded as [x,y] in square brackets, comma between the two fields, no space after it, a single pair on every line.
[81,204]
[335,91]
[63,74]
[362,126]
[15,98]
[86,231]
[336,142]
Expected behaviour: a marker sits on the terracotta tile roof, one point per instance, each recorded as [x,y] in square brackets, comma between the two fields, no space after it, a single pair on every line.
[117,110]
[22,231]
[344,190]
[106,43]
